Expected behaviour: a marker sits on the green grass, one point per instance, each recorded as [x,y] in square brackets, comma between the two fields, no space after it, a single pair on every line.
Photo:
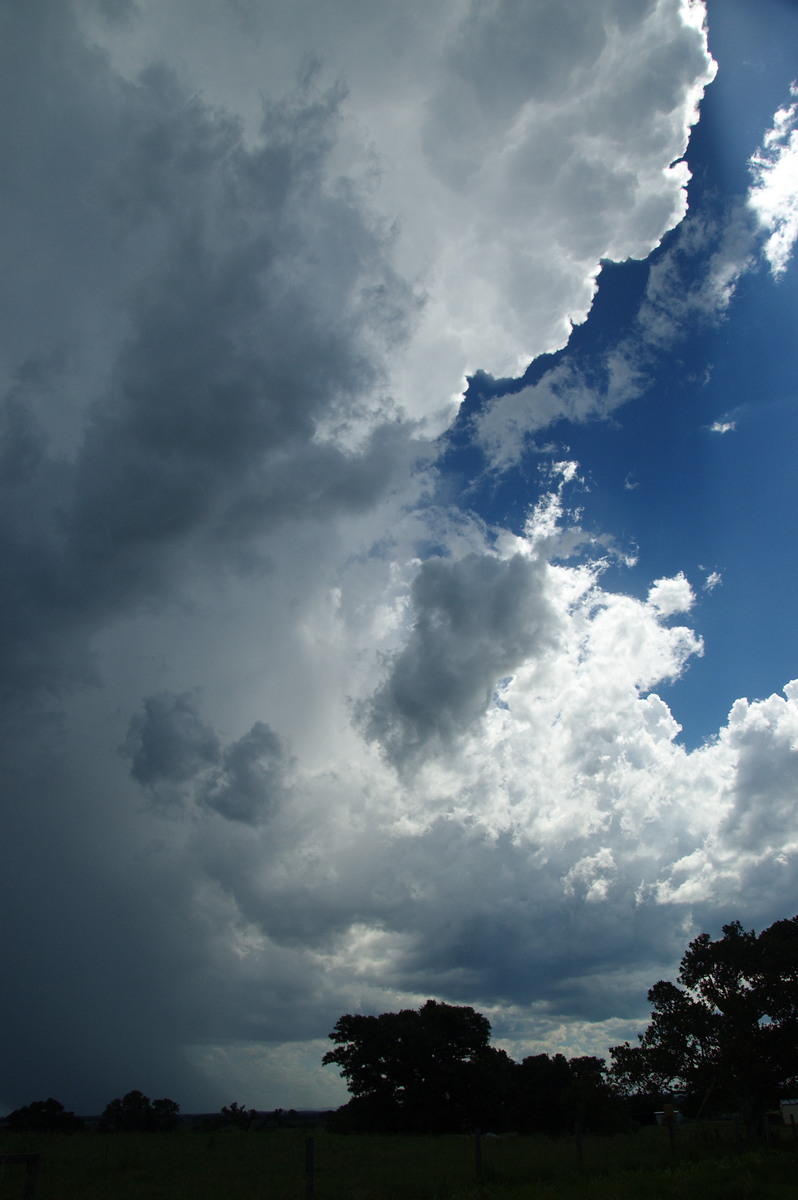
[228,1165]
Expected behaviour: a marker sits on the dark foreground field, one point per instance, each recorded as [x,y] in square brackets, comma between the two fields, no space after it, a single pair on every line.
[704,1164]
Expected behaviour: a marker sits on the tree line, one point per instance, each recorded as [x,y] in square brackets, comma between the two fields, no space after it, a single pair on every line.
[724,1039]
[434,1071]
[136,1113]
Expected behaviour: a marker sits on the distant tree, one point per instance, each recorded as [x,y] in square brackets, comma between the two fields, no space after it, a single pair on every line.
[136,1112]
[239,1117]
[728,1036]
[415,1070]
[43,1116]
[279,1118]
[165,1115]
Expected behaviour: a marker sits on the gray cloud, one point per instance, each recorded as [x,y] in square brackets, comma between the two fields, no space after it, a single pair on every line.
[105,938]
[254,323]
[251,779]
[177,757]
[216,304]
[169,743]
[476,620]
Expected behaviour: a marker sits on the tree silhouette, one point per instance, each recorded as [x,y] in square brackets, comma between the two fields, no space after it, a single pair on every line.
[136,1112]
[433,1070]
[728,1036]
[238,1117]
[413,1069]
[43,1116]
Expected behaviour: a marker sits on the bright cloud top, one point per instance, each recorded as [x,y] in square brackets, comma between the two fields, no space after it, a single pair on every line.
[515,145]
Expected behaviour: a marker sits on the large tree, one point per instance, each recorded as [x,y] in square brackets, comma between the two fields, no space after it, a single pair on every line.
[423,1070]
[433,1070]
[728,1036]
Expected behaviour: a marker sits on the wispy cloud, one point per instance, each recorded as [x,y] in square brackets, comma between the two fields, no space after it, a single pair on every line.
[774,193]
[690,287]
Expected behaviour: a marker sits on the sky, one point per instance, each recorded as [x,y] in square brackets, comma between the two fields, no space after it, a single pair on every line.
[398,523]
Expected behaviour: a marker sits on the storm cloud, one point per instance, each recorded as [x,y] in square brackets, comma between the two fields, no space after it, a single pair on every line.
[289,729]
[476,620]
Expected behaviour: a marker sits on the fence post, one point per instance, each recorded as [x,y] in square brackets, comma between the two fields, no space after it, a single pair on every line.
[309,1168]
[478,1154]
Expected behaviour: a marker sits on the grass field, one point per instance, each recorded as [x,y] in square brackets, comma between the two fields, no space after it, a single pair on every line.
[227,1165]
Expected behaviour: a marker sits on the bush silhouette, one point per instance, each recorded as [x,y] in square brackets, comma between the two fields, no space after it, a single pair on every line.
[135,1112]
[43,1116]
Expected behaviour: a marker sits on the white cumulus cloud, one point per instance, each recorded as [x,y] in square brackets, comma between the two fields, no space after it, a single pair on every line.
[774,193]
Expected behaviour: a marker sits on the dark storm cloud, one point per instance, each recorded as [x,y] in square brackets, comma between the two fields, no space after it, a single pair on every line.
[214,302]
[251,778]
[469,916]
[238,343]
[169,743]
[104,940]
[476,620]
[22,441]
[316,480]
[496,923]
[176,757]
[183,311]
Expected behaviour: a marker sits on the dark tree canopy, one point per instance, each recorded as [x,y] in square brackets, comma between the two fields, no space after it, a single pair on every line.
[391,1053]
[239,1117]
[728,1036]
[43,1116]
[136,1112]
[411,1068]
[434,1070]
